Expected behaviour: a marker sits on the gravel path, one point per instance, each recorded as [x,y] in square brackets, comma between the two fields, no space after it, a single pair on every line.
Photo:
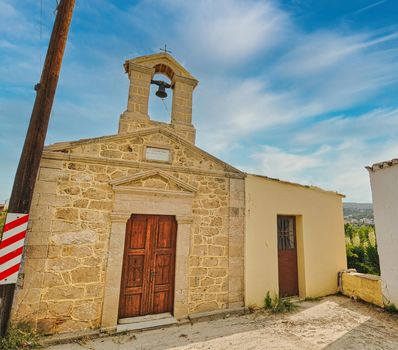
[332,323]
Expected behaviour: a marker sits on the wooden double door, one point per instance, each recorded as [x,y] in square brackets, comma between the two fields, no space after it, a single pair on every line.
[148,272]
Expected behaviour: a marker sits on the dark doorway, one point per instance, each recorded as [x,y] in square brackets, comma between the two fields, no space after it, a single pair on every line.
[287,256]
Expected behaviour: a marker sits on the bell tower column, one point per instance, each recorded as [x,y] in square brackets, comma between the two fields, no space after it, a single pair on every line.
[136,115]
[181,115]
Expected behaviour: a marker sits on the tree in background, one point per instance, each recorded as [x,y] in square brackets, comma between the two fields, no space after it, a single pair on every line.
[361,249]
[2,219]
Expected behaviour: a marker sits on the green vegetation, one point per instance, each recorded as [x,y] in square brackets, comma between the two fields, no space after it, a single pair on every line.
[20,337]
[268,301]
[277,305]
[391,308]
[2,219]
[361,249]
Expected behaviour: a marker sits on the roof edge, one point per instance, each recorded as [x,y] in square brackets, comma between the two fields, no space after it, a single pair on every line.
[382,165]
[310,187]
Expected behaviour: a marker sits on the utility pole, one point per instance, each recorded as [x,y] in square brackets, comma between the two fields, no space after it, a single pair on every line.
[25,178]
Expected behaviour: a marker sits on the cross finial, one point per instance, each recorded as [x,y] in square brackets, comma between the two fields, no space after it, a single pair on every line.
[165,49]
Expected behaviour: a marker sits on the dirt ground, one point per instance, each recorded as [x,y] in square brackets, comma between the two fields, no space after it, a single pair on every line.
[331,323]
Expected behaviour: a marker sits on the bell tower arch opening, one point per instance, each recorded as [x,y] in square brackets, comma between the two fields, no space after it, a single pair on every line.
[161,94]
[152,77]
[160,107]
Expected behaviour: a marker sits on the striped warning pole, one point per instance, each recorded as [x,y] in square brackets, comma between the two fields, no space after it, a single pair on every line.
[11,247]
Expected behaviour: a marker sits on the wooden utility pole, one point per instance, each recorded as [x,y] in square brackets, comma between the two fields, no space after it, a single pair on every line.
[29,162]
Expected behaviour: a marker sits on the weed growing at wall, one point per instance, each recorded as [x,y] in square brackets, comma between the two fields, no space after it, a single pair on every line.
[20,337]
[391,308]
[277,305]
[268,301]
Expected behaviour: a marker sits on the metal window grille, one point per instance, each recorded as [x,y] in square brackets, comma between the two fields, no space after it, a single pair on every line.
[286,234]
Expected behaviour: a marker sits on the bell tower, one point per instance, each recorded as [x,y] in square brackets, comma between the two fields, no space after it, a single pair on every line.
[140,71]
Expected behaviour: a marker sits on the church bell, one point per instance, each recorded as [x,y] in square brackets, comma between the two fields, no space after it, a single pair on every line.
[162,86]
[161,92]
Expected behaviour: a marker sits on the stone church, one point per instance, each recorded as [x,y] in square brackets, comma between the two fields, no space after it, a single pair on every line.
[142,222]
[144,225]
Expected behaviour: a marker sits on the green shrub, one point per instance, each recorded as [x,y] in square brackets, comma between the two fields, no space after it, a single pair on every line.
[391,308]
[19,337]
[277,305]
[268,301]
[282,306]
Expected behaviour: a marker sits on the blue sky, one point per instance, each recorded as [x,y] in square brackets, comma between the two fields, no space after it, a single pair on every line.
[303,90]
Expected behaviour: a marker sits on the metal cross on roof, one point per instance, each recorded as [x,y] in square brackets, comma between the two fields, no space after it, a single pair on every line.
[165,49]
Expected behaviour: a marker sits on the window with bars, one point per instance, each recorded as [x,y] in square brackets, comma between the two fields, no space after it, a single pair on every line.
[286,232]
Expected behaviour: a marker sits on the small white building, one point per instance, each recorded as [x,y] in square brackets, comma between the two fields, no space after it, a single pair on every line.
[384,183]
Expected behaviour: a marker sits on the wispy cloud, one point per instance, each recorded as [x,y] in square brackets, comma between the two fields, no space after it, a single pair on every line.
[333,153]
[363,9]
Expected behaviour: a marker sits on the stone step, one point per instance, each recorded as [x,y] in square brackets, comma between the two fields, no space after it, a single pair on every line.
[147,324]
[144,318]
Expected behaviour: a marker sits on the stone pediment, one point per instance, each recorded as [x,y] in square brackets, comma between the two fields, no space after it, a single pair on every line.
[126,149]
[152,181]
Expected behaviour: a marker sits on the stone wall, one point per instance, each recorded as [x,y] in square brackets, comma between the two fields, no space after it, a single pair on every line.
[362,286]
[68,240]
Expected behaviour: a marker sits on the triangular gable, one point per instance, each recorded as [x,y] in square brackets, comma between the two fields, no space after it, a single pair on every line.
[148,182]
[147,174]
[161,58]
[65,146]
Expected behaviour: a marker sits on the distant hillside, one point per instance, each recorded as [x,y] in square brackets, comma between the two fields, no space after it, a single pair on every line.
[358,213]
[352,205]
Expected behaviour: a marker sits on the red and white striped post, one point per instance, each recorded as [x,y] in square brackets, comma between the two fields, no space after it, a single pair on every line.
[11,247]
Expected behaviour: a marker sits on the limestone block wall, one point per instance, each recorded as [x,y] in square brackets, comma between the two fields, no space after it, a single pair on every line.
[66,254]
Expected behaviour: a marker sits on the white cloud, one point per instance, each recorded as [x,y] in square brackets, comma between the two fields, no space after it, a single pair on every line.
[376,124]
[227,33]
[343,147]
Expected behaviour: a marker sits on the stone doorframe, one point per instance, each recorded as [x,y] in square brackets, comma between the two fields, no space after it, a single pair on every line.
[139,201]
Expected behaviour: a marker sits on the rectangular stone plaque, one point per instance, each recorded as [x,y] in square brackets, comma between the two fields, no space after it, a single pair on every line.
[159,154]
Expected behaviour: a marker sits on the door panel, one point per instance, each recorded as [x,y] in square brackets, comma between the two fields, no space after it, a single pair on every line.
[135,271]
[149,266]
[287,256]
[164,260]
[138,235]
